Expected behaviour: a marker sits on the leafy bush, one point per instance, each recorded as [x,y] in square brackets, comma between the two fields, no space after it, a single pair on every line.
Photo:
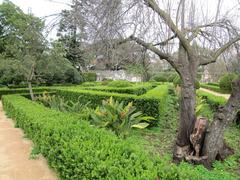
[90,76]
[137,89]
[148,106]
[160,77]
[5,91]
[212,100]
[114,116]
[60,104]
[164,77]
[213,84]
[213,88]
[225,81]
[161,94]
[120,83]
[76,150]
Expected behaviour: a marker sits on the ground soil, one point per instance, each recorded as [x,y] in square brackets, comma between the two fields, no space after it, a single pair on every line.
[15,162]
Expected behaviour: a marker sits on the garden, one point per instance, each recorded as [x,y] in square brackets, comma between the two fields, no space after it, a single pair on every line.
[97,131]
[115,89]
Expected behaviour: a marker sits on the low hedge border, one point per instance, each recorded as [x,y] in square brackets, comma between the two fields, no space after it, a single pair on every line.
[160,93]
[23,91]
[137,89]
[212,100]
[148,106]
[214,88]
[77,150]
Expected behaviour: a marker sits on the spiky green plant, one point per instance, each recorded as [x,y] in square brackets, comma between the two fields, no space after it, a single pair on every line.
[120,119]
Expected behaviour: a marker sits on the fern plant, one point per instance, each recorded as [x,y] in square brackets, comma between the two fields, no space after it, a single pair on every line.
[120,119]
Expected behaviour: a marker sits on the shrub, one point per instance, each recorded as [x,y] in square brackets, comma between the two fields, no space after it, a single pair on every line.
[77,150]
[212,100]
[160,77]
[213,88]
[225,81]
[60,104]
[89,76]
[137,89]
[23,91]
[147,105]
[119,118]
[119,83]
[160,93]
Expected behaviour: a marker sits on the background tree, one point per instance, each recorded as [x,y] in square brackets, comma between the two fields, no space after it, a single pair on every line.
[187,37]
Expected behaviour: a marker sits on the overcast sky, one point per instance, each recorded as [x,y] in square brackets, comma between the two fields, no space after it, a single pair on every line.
[42,8]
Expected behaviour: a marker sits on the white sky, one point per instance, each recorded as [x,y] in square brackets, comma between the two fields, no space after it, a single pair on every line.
[42,8]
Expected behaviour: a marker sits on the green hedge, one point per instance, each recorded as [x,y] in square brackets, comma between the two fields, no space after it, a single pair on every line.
[212,100]
[161,93]
[137,89]
[77,150]
[22,91]
[148,106]
[89,76]
[214,88]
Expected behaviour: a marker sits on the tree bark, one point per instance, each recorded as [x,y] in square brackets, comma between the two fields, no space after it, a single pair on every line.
[31,90]
[214,141]
[187,105]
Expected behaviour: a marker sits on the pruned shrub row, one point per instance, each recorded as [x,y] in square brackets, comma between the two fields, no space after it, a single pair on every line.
[148,106]
[22,91]
[214,88]
[137,89]
[77,150]
[212,100]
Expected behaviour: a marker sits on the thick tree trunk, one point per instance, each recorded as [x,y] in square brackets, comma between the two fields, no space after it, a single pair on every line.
[214,141]
[187,120]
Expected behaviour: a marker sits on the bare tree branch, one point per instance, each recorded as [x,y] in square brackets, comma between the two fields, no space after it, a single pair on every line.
[154,6]
[165,42]
[205,61]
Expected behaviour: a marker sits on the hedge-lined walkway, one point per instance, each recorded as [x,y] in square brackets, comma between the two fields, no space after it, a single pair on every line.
[226,96]
[14,155]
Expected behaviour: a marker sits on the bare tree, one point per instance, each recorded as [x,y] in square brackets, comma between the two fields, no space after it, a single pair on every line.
[190,40]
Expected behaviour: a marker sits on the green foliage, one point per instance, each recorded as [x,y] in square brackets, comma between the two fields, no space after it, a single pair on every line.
[6,91]
[213,83]
[203,108]
[89,76]
[212,100]
[177,81]
[77,150]
[120,119]
[147,105]
[160,77]
[225,81]
[120,83]
[164,76]
[213,88]
[136,89]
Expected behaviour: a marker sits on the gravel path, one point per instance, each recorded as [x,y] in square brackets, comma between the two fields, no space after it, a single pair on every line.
[226,96]
[14,155]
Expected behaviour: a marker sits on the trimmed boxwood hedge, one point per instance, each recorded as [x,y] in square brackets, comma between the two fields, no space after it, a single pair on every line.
[147,105]
[5,91]
[212,100]
[137,89]
[77,150]
[214,88]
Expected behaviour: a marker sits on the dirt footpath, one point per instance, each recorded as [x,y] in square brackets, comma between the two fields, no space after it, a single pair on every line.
[226,96]
[14,155]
